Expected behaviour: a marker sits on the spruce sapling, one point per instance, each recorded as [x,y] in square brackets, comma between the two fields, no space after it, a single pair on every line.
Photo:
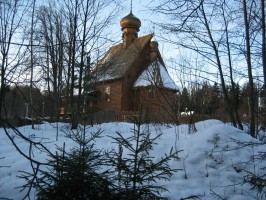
[136,172]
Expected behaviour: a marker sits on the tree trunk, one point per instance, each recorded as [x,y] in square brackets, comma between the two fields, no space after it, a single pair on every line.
[79,99]
[31,63]
[74,113]
[234,106]
[250,76]
[229,104]
[263,42]
[263,56]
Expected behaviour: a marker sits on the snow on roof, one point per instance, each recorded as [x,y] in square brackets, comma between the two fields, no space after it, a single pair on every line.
[118,59]
[156,75]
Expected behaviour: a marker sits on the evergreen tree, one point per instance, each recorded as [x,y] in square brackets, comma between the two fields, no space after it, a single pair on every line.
[185,100]
[136,173]
[75,174]
[215,99]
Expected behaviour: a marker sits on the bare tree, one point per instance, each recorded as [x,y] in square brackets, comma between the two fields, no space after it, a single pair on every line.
[263,38]
[214,30]
[85,30]
[194,29]
[31,59]
[263,52]
[230,64]
[68,30]
[53,40]
[12,13]
[249,65]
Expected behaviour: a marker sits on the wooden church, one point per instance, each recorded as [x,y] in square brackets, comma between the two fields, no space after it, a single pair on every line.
[131,79]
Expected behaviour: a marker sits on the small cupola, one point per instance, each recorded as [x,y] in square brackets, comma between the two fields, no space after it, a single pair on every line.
[130,25]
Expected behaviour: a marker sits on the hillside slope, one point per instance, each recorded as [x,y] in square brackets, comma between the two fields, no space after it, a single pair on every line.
[213,160]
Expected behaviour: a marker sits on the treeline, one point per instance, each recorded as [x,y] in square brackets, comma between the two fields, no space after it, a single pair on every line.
[18,104]
[208,101]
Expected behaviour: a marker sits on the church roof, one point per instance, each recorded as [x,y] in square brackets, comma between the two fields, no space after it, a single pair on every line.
[119,59]
[156,75]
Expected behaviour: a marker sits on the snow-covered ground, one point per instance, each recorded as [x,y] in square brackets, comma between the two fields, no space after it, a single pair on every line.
[214,160]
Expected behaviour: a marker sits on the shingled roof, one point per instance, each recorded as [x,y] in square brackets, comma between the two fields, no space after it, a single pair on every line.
[119,59]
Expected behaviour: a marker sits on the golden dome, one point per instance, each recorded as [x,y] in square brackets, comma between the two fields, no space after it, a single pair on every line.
[130,21]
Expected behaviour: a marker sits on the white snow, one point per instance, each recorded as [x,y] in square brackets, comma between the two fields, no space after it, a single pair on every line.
[111,73]
[212,158]
[149,76]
